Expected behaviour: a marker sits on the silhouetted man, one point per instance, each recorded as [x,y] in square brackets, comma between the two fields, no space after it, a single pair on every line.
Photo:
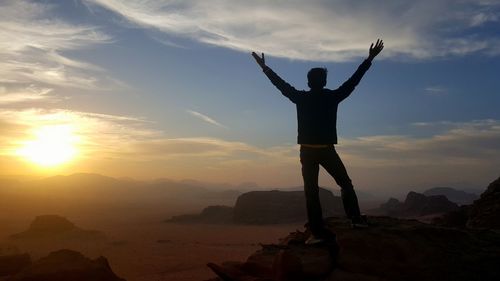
[317,135]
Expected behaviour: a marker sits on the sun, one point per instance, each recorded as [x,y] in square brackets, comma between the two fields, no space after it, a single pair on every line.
[51,146]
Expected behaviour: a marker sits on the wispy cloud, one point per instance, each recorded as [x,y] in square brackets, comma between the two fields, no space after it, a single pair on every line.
[205,118]
[482,18]
[322,30]
[436,90]
[25,94]
[456,144]
[32,43]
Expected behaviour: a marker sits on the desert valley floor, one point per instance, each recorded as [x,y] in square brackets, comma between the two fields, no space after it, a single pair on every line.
[154,250]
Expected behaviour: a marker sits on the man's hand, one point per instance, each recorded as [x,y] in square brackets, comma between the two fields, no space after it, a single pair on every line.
[375,50]
[260,60]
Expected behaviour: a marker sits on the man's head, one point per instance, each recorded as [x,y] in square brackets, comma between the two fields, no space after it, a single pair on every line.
[316,78]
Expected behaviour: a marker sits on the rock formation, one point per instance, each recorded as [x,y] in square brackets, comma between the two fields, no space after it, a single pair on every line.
[211,214]
[289,260]
[390,249]
[416,205]
[63,265]
[457,196]
[54,226]
[264,207]
[483,213]
[392,206]
[269,207]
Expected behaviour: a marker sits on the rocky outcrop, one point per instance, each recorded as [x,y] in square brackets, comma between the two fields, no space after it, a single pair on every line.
[457,196]
[288,260]
[211,214]
[485,212]
[392,206]
[54,226]
[390,249]
[65,265]
[416,205]
[270,207]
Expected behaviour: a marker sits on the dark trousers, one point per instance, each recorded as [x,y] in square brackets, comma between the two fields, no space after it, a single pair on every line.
[311,158]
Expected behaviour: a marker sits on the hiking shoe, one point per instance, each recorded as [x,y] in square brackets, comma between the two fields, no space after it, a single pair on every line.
[359,222]
[313,240]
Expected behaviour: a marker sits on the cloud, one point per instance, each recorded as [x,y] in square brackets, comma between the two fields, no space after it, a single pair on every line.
[30,93]
[482,18]
[99,133]
[321,30]
[205,118]
[436,90]
[32,43]
[456,144]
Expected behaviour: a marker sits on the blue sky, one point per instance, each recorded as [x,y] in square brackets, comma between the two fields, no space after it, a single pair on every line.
[169,89]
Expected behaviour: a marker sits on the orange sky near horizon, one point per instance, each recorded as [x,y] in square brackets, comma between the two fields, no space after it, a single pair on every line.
[125,147]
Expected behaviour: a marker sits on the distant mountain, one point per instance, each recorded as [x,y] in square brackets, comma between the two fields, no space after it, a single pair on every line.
[361,194]
[96,187]
[98,194]
[458,196]
[241,186]
[415,205]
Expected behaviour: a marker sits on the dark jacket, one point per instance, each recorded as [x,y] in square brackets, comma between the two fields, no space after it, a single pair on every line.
[317,110]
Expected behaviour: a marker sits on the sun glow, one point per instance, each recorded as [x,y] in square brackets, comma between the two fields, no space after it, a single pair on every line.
[52,145]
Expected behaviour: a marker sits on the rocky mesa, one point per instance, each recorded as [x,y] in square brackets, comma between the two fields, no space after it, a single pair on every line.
[264,207]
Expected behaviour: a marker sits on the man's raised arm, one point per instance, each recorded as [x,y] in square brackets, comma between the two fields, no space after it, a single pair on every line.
[346,89]
[286,89]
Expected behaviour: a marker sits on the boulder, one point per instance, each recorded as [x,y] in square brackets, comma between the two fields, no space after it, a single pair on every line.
[63,265]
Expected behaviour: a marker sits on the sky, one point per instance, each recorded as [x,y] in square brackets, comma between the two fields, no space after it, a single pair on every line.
[168,89]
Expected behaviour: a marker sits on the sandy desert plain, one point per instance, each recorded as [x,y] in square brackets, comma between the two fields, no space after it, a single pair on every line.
[144,247]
